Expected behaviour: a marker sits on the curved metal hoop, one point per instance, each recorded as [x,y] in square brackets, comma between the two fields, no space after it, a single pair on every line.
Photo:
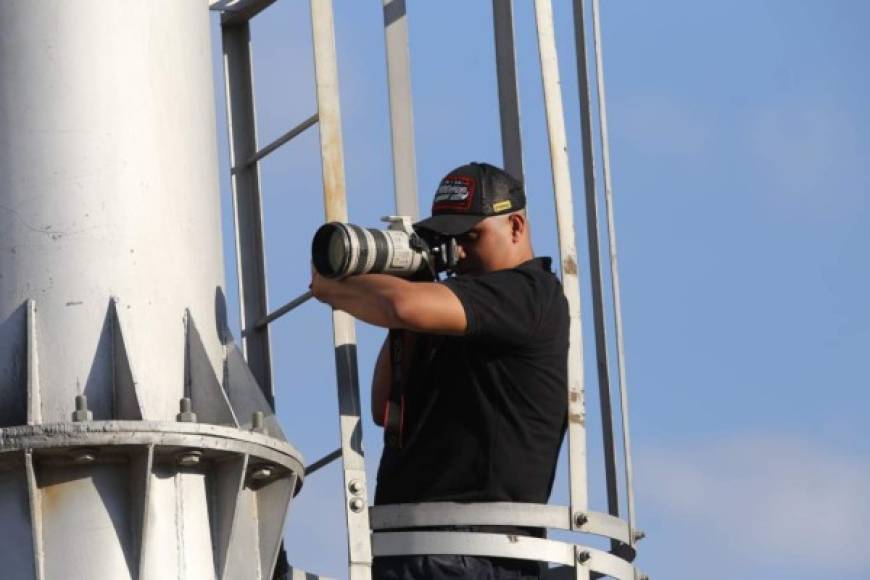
[504,546]
[616,564]
[394,516]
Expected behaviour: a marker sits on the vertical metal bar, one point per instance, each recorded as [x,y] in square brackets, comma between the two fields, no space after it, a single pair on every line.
[614,270]
[247,202]
[34,400]
[401,109]
[603,367]
[508,99]
[34,498]
[568,255]
[140,473]
[335,201]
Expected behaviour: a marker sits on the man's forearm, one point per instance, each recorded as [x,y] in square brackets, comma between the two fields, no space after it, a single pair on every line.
[392,302]
[369,297]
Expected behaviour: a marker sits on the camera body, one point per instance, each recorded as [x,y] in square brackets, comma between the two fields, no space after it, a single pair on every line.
[340,250]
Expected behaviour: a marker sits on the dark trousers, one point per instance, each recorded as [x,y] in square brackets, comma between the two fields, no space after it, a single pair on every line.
[453,567]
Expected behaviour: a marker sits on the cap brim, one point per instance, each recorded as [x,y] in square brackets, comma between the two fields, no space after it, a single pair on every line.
[450,224]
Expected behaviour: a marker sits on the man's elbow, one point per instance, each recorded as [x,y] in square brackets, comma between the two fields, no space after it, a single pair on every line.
[379,405]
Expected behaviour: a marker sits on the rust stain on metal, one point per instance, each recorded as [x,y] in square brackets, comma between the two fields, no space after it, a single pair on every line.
[333,173]
[569,266]
[513,539]
[574,396]
[576,418]
[53,497]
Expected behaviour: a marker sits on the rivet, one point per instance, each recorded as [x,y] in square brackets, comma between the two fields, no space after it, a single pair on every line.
[262,473]
[186,407]
[583,556]
[81,413]
[355,486]
[190,458]
[580,519]
[257,421]
[357,504]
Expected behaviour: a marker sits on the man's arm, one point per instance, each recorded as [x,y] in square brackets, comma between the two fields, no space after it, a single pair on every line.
[393,302]
[382,379]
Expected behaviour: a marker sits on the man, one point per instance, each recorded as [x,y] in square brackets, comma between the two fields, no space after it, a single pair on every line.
[481,390]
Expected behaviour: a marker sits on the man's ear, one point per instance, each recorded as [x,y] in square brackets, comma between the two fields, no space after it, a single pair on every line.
[518,226]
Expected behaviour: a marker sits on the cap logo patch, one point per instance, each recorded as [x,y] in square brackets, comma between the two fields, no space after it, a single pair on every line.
[501,205]
[455,192]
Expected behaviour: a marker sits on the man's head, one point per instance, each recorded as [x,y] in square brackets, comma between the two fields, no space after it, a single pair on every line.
[483,207]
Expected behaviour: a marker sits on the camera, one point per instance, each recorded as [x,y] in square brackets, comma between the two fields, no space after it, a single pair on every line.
[340,250]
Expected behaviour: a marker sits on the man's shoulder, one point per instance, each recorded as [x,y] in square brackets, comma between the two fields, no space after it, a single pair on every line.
[537,275]
[532,279]
[513,304]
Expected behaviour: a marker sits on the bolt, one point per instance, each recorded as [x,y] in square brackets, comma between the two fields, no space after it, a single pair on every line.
[355,486]
[357,504]
[84,456]
[190,458]
[583,556]
[639,535]
[186,415]
[81,413]
[262,473]
[580,519]
[257,422]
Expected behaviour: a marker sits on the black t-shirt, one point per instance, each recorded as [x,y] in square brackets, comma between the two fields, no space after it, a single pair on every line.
[485,412]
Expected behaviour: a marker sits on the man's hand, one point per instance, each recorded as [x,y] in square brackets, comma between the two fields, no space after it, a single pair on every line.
[320,285]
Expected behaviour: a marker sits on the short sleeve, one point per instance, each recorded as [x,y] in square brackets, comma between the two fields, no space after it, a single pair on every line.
[503,306]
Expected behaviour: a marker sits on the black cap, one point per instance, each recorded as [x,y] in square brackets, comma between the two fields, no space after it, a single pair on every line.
[471,193]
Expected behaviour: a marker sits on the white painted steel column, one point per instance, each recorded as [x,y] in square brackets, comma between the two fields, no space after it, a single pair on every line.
[335,203]
[401,108]
[568,255]
[614,266]
[247,199]
[508,96]
[595,279]
[108,187]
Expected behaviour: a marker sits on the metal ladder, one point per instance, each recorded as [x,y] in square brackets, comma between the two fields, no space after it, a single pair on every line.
[247,205]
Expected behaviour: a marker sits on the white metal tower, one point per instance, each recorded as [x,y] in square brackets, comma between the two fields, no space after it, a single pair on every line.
[136,439]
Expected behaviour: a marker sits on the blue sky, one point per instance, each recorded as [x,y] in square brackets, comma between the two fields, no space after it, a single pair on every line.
[739,137]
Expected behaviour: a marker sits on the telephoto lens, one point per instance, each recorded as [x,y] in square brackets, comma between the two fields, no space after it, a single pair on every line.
[340,250]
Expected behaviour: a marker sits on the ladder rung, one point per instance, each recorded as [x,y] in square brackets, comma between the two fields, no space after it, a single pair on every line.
[235,11]
[323,461]
[278,313]
[295,131]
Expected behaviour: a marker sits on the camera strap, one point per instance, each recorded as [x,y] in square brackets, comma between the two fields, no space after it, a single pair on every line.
[395,412]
